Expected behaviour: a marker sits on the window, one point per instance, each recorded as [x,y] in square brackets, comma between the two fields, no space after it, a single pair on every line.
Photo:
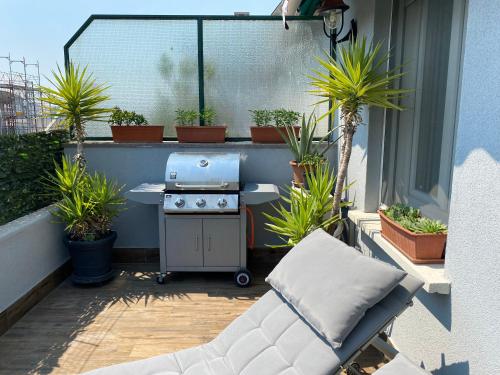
[418,144]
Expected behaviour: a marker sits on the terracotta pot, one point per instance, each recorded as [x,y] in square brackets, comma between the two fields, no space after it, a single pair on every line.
[418,247]
[201,134]
[299,173]
[270,134]
[132,134]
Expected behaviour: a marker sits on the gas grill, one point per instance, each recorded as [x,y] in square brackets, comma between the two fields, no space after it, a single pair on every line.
[202,211]
[202,183]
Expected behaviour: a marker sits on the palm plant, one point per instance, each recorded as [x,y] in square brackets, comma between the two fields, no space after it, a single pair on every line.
[87,203]
[357,79]
[75,99]
[304,210]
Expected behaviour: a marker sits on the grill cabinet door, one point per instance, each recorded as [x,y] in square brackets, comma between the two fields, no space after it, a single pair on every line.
[183,240]
[221,242]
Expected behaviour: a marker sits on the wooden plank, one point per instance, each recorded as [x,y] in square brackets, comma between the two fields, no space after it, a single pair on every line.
[76,329]
[16,311]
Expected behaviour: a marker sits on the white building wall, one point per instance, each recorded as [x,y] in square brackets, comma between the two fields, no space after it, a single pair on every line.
[362,12]
[459,334]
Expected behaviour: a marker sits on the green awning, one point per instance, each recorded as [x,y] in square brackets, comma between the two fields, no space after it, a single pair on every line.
[308,7]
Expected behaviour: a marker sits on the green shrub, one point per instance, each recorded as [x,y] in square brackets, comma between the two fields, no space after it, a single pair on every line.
[186,117]
[284,117]
[121,117]
[411,219]
[24,162]
[208,115]
[261,117]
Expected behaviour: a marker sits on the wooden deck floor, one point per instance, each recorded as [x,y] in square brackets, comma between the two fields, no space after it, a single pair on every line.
[76,329]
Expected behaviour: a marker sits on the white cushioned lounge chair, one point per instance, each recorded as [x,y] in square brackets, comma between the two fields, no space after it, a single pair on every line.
[305,324]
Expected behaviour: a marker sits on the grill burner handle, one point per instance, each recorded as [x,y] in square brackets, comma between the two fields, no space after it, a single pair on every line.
[219,186]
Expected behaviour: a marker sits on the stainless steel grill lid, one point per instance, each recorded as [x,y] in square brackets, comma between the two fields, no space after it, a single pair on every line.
[203,171]
[202,182]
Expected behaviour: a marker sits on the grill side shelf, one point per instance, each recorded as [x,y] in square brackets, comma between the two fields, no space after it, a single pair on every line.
[147,193]
[254,193]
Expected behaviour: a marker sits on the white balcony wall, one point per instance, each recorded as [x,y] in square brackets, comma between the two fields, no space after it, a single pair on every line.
[31,248]
[454,334]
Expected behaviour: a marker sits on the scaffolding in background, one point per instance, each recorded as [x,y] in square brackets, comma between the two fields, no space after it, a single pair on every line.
[20,98]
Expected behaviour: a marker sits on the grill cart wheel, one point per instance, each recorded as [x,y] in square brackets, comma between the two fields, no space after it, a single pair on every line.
[354,369]
[160,279]
[243,278]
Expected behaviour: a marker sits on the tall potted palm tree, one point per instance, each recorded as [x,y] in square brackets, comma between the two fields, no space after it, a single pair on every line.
[75,99]
[357,79]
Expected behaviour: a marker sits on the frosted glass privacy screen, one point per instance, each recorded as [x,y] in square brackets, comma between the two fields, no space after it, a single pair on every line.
[260,65]
[151,66]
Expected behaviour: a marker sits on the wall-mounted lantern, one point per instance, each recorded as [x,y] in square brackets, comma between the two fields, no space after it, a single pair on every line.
[330,10]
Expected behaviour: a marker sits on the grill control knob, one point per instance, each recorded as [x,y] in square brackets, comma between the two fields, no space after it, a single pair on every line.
[200,202]
[222,203]
[179,203]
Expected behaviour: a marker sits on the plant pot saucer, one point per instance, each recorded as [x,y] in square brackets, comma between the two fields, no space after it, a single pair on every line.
[89,280]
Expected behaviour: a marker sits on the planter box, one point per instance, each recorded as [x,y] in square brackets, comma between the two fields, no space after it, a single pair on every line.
[135,134]
[420,248]
[201,134]
[270,134]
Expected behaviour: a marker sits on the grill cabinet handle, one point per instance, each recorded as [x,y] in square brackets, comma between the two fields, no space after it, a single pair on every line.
[209,243]
[196,249]
[197,186]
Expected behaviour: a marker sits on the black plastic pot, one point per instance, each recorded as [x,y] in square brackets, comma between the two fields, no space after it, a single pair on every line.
[91,259]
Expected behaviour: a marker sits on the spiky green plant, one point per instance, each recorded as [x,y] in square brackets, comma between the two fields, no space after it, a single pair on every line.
[75,99]
[358,78]
[87,202]
[303,210]
[303,148]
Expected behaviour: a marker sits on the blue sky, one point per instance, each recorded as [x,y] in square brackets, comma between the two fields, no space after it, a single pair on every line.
[38,29]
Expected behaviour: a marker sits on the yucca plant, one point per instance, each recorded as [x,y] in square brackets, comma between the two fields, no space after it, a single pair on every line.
[358,78]
[303,210]
[75,99]
[87,202]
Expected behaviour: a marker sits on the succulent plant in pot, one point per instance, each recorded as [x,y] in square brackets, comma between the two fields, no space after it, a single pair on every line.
[87,205]
[307,153]
[269,125]
[129,127]
[420,239]
[189,132]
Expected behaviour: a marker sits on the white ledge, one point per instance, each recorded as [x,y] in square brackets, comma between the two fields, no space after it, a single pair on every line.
[433,275]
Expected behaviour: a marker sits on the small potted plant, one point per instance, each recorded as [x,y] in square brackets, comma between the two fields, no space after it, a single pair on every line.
[307,153]
[130,127]
[87,205]
[270,125]
[188,132]
[420,239]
